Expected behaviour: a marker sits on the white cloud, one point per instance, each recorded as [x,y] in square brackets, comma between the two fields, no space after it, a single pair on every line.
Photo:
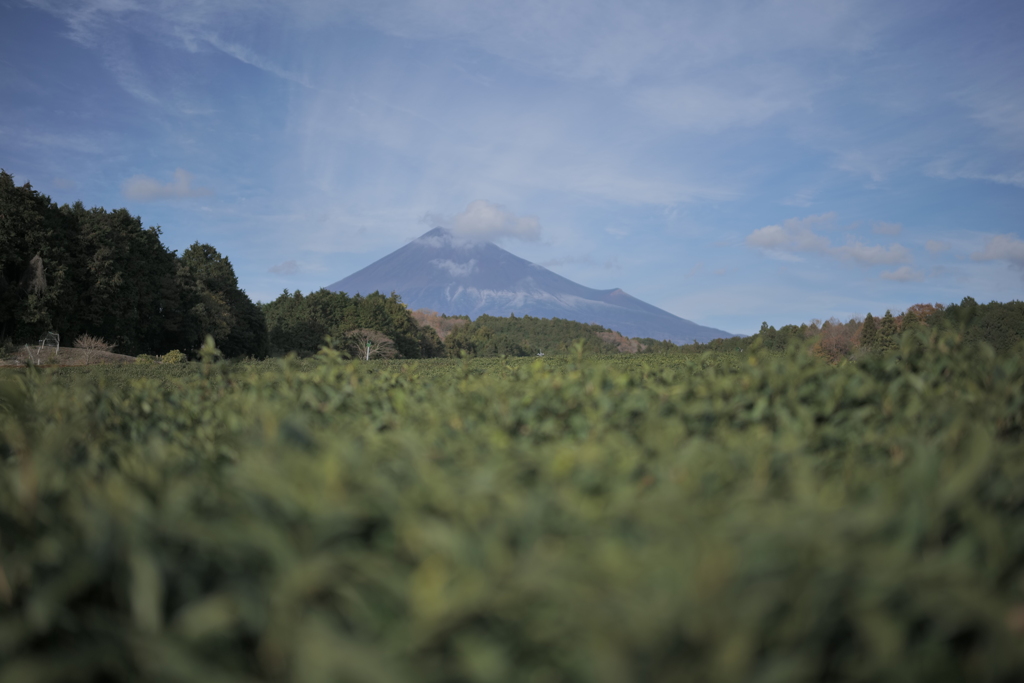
[1007,248]
[872,255]
[935,246]
[145,189]
[903,274]
[885,228]
[794,234]
[797,235]
[483,221]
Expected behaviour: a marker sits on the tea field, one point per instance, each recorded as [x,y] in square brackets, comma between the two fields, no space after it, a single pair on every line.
[726,517]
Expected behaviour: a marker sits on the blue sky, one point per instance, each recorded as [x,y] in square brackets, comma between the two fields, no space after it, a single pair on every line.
[730,162]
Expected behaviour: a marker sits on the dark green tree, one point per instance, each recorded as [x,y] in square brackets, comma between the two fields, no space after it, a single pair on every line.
[430,343]
[130,296]
[217,307]
[869,333]
[769,337]
[888,335]
[74,270]
[910,322]
[301,323]
[526,336]
[290,328]
[1000,325]
[40,258]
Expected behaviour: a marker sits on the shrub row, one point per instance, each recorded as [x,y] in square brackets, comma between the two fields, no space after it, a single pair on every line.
[747,517]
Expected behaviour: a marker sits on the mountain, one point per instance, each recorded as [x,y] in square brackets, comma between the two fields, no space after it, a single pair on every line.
[440,272]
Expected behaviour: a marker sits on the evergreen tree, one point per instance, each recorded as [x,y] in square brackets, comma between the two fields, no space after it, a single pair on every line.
[217,307]
[887,338]
[39,258]
[300,323]
[769,337]
[74,270]
[910,322]
[960,316]
[869,333]
[130,297]
[1000,325]
[248,335]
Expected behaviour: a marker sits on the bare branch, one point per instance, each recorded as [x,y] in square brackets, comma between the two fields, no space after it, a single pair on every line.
[367,344]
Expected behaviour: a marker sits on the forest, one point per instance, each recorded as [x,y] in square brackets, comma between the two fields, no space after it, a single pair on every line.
[91,271]
[302,324]
[100,273]
[999,325]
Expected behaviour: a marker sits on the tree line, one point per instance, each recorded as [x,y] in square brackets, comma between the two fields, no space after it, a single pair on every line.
[99,273]
[304,323]
[528,336]
[999,325]
[91,271]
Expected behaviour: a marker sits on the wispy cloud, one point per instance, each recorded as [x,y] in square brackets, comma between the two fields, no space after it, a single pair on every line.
[950,170]
[1009,248]
[797,235]
[997,104]
[251,57]
[109,26]
[903,274]
[620,41]
[65,141]
[98,24]
[145,189]
[936,246]
[712,108]
[871,255]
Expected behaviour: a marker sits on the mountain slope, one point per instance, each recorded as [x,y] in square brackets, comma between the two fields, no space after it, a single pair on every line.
[440,272]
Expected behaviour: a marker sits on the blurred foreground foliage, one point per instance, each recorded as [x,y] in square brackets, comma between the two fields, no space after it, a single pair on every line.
[724,517]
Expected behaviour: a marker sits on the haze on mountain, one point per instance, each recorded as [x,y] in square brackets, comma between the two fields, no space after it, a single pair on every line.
[446,273]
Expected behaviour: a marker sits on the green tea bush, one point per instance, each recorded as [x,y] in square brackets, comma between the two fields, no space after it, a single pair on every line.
[717,517]
[174,356]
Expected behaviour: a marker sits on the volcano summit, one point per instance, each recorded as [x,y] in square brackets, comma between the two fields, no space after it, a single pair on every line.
[445,274]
